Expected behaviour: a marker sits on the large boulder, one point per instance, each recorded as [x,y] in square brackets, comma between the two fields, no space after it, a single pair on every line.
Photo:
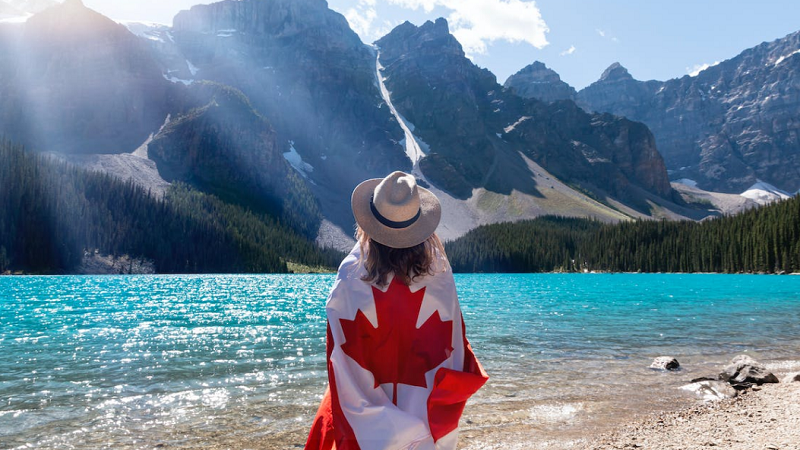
[745,370]
[665,363]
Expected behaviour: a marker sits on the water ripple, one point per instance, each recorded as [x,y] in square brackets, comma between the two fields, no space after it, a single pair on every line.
[90,360]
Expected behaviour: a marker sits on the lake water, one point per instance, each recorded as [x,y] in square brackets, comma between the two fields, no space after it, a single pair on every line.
[238,361]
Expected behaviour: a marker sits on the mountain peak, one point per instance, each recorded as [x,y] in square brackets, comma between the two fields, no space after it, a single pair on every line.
[441,25]
[438,28]
[538,81]
[538,69]
[615,72]
[432,35]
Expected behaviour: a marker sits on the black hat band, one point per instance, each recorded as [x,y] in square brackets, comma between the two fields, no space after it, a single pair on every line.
[391,223]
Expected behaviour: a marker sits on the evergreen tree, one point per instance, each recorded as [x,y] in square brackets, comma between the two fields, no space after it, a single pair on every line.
[763,240]
[53,213]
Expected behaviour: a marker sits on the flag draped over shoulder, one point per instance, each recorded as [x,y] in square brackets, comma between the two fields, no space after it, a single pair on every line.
[400,369]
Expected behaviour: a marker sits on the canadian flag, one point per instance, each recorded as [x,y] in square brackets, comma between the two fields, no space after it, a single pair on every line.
[400,369]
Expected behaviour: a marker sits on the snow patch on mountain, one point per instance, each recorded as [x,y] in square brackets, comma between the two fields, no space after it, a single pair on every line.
[151,31]
[762,193]
[783,58]
[176,80]
[192,68]
[296,161]
[695,71]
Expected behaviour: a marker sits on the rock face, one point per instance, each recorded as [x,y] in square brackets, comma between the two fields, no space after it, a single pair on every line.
[296,108]
[665,363]
[539,82]
[745,370]
[477,131]
[73,81]
[225,147]
[310,76]
[727,127]
[617,90]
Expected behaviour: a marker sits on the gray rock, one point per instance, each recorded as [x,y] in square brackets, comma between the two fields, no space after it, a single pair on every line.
[744,370]
[539,82]
[711,390]
[665,363]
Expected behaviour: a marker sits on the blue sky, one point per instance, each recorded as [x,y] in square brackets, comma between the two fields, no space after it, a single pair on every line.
[577,38]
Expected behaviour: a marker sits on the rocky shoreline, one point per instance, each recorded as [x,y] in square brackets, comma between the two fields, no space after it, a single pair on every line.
[746,407]
[766,417]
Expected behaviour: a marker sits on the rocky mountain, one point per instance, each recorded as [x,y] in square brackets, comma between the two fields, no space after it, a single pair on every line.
[279,107]
[225,147]
[727,128]
[79,85]
[309,74]
[479,134]
[73,81]
[538,81]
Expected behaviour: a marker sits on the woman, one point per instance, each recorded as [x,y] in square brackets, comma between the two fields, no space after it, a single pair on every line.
[399,366]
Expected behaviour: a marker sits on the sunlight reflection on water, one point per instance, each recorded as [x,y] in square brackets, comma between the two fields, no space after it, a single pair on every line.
[130,361]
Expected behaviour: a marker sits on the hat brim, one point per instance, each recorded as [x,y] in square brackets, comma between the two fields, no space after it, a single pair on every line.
[414,234]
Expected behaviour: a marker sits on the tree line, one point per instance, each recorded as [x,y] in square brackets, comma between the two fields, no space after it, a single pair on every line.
[52,213]
[761,240]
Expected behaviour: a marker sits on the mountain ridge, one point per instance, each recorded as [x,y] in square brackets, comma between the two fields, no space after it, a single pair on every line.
[307,115]
[726,127]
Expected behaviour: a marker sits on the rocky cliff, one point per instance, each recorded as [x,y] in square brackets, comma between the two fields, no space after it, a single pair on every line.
[225,147]
[309,74]
[726,128]
[277,105]
[477,131]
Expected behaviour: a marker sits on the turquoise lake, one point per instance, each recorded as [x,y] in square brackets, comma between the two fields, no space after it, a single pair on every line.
[136,361]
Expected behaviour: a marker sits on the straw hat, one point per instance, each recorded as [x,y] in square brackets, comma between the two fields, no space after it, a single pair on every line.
[394,211]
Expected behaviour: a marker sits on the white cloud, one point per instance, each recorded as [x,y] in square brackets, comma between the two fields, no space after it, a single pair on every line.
[361,17]
[478,23]
[697,68]
[603,34]
[568,51]
[427,5]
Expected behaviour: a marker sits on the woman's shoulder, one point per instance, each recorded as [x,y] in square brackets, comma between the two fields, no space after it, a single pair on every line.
[351,266]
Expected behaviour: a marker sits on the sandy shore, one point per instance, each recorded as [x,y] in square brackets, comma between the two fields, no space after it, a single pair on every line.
[765,418]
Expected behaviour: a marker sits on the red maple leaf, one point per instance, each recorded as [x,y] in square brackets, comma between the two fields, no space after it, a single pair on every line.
[397,351]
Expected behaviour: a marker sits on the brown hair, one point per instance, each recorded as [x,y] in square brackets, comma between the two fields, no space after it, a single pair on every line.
[407,264]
